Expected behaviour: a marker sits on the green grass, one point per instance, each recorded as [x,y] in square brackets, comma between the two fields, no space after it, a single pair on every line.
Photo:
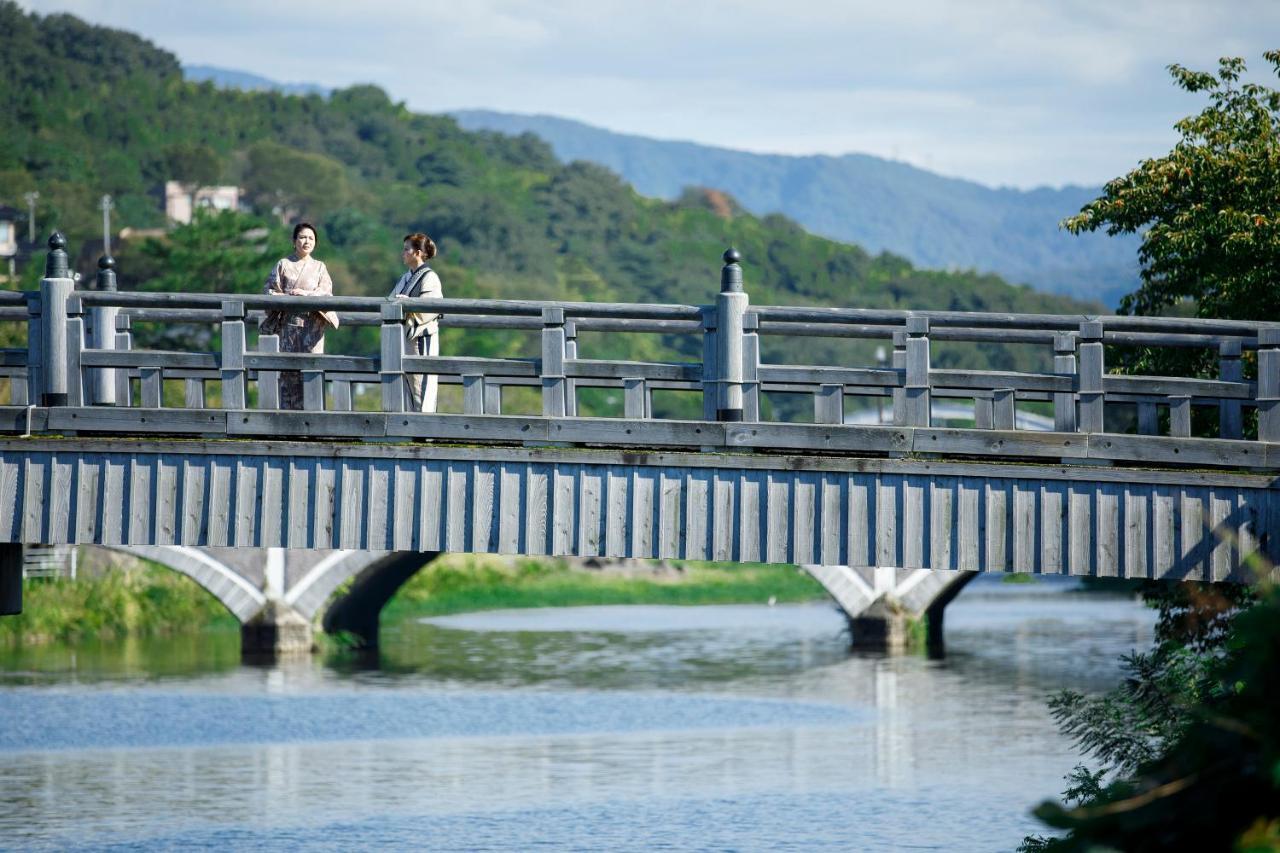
[151,600]
[462,583]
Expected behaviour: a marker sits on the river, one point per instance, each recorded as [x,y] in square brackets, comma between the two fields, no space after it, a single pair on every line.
[635,728]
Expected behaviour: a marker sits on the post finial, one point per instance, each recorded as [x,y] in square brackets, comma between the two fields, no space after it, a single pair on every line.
[55,263]
[106,273]
[731,273]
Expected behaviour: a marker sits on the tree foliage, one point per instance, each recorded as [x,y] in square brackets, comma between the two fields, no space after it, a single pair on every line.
[1210,207]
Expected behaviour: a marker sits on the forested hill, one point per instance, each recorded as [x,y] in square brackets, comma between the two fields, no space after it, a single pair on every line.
[879,204]
[86,110]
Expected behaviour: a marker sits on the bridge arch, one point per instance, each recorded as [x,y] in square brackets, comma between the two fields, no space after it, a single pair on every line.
[232,589]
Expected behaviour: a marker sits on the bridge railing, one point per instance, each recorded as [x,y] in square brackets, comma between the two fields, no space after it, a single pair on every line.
[80,369]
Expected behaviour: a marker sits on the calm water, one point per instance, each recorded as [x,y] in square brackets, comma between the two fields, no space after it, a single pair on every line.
[638,728]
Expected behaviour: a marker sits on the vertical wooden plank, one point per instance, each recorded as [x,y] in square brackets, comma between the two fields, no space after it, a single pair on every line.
[431,500]
[888,513]
[341,391]
[1053,527]
[11,496]
[35,494]
[378,511]
[1092,399]
[828,405]
[350,499]
[326,511]
[167,500]
[511,480]
[591,511]
[297,503]
[60,513]
[141,473]
[804,509]
[635,397]
[247,480]
[273,509]
[1250,511]
[553,358]
[1026,546]
[233,348]
[1109,508]
[984,410]
[861,512]
[1064,364]
[1222,556]
[834,523]
[564,510]
[87,495]
[1148,419]
[268,380]
[697,487]
[1003,409]
[915,523]
[918,401]
[151,390]
[616,514]
[457,506]
[1230,420]
[670,518]
[778,528]
[538,522]
[473,393]
[1164,527]
[942,522]
[1269,387]
[1137,531]
[969,527]
[313,390]
[752,521]
[1194,545]
[484,500]
[643,527]
[998,527]
[221,494]
[194,394]
[1180,417]
[723,514]
[492,398]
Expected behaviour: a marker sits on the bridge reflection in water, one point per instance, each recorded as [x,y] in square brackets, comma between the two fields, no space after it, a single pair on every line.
[868,508]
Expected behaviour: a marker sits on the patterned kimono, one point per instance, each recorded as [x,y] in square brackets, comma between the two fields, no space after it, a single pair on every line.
[422,334]
[298,332]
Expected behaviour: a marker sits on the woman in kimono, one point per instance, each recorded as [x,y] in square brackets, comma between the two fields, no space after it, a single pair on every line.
[422,330]
[298,275]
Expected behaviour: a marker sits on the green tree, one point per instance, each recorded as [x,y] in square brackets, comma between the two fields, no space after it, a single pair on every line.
[1210,207]
[294,183]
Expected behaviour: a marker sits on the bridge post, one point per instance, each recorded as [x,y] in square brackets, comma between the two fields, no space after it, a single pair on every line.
[1064,364]
[1230,421]
[731,307]
[710,373]
[391,363]
[570,353]
[76,389]
[554,397]
[102,383]
[233,348]
[1089,383]
[268,380]
[55,288]
[917,363]
[124,342]
[751,368]
[1269,385]
[899,362]
[10,579]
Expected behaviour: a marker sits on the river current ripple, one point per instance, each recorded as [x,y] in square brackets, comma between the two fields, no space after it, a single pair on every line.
[633,728]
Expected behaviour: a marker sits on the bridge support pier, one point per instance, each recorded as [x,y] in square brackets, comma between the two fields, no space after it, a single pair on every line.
[10,580]
[275,631]
[892,609]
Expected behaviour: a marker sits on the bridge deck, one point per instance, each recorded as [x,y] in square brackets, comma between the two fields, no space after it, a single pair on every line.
[905,512]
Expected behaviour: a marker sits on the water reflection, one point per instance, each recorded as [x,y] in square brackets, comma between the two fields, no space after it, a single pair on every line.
[707,727]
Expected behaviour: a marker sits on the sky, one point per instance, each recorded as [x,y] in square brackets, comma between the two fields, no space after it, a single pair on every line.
[1018,93]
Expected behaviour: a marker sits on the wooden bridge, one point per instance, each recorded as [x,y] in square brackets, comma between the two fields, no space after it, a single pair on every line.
[112,444]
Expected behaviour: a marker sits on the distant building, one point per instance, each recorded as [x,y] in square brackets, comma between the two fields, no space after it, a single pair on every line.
[182,200]
[10,222]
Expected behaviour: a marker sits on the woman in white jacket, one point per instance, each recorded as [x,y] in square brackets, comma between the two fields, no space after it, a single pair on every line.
[421,329]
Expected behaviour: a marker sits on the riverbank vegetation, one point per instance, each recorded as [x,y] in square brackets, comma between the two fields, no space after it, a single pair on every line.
[135,598]
[459,583]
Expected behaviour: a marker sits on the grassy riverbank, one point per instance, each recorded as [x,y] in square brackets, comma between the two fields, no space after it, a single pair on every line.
[128,598]
[458,583]
[141,600]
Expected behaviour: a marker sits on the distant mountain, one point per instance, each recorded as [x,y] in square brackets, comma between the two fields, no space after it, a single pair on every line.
[881,205]
[226,78]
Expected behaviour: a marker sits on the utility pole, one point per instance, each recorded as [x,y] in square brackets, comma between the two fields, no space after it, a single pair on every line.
[106,225]
[31,215]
